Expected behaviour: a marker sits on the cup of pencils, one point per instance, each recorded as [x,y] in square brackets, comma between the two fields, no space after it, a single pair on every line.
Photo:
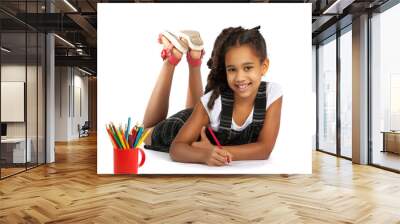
[126,142]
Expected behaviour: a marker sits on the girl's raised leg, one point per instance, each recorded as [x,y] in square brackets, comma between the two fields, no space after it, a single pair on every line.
[195,86]
[157,107]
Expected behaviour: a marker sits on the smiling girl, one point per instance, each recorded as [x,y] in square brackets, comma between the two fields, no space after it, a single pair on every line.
[243,111]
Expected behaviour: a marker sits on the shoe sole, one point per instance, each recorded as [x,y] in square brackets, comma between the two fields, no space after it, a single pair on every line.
[193,38]
[178,44]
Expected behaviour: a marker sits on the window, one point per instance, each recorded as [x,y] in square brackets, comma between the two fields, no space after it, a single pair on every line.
[385,88]
[346,93]
[22,68]
[327,96]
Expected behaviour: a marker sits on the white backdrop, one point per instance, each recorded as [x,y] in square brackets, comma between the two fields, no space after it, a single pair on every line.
[129,63]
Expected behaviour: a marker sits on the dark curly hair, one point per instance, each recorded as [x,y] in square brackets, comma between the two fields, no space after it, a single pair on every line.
[228,38]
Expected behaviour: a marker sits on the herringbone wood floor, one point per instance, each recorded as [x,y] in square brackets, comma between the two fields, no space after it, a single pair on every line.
[70,191]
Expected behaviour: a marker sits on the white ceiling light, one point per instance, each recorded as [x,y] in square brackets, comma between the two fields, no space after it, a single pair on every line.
[338,6]
[5,50]
[84,71]
[65,41]
[70,5]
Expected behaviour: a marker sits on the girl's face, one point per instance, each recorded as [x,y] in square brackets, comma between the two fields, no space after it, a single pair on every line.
[244,70]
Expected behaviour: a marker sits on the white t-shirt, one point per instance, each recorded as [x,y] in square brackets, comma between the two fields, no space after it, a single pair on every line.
[274,91]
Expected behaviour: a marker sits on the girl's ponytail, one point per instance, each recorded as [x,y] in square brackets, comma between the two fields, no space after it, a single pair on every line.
[217,80]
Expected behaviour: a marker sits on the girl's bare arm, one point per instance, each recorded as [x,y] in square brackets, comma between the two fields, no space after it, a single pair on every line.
[181,149]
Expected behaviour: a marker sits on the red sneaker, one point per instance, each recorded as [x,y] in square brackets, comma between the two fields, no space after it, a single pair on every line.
[174,41]
[194,62]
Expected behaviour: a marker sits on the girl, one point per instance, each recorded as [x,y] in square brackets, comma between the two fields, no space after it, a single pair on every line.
[243,111]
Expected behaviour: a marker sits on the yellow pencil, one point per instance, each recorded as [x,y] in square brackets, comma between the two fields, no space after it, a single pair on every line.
[121,139]
[141,140]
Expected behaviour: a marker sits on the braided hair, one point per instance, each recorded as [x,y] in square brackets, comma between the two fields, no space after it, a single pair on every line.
[228,38]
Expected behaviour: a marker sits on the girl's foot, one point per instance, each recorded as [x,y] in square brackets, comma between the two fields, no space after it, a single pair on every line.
[173,48]
[195,43]
[194,57]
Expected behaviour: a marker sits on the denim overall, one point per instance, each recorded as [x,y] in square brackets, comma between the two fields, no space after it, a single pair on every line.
[165,131]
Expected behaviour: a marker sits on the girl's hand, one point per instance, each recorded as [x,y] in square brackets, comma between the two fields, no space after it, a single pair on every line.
[204,143]
[217,157]
[213,155]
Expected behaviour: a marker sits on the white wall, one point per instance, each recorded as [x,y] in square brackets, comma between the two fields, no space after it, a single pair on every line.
[70,83]
[62,80]
[80,84]
[16,73]
[34,124]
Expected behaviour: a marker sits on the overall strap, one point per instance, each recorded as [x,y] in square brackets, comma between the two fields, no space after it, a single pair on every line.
[260,104]
[227,100]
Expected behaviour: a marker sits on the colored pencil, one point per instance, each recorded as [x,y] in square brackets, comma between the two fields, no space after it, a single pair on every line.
[112,138]
[141,140]
[121,138]
[216,141]
[113,131]
[127,129]
[125,137]
[130,141]
[134,133]
[124,140]
[138,136]
[214,137]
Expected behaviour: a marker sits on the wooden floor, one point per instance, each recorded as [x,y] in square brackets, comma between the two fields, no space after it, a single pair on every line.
[387,159]
[10,171]
[70,191]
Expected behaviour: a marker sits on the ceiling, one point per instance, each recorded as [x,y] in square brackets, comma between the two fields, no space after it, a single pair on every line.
[76,22]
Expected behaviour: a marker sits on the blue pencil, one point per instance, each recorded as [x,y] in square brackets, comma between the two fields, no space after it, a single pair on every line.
[127,129]
[138,136]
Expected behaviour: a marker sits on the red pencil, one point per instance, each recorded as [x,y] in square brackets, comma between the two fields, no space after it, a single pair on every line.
[112,138]
[216,140]
[130,141]
[134,133]
[214,137]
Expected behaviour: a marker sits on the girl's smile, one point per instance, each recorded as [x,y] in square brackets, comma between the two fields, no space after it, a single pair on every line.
[243,86]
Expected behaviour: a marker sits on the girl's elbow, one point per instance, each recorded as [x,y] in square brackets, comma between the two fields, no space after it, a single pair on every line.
[263,155]
[266,155]
[173,152]
[265,152]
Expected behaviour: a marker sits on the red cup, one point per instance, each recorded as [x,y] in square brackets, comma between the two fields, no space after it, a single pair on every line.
[126,160]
